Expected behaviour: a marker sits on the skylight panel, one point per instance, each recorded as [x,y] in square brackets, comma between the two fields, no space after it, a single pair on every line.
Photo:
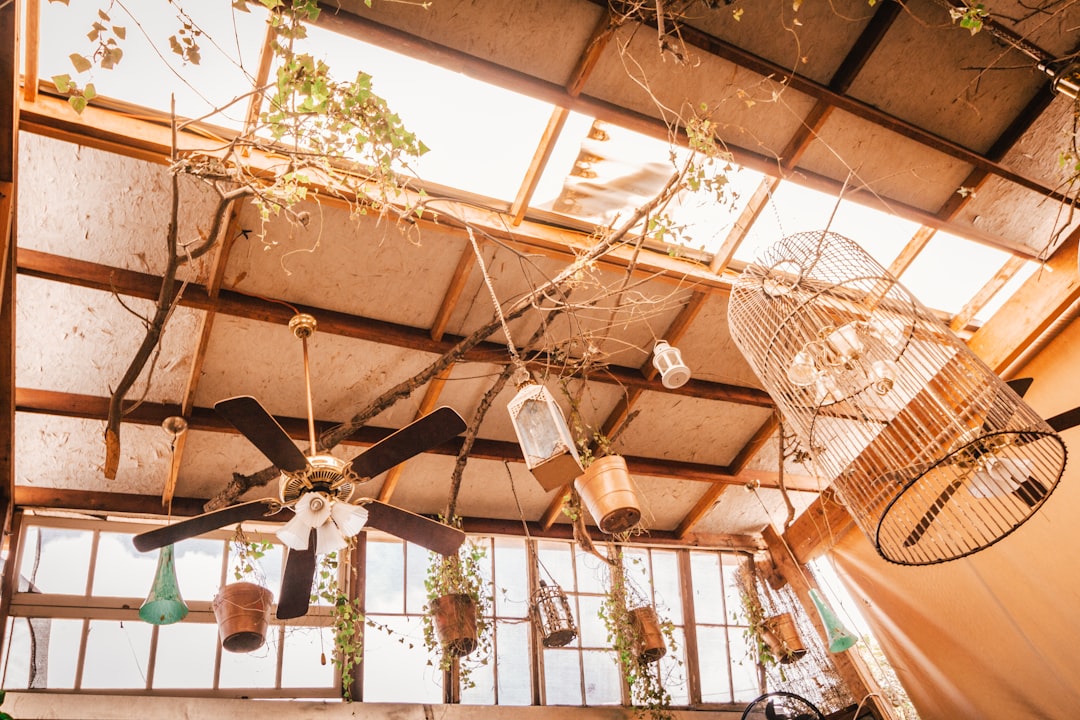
[794,208]
[149,74]
[481,138]
[601,173]
[950,270]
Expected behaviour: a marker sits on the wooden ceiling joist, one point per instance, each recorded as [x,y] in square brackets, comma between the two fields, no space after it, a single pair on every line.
[128,282]
[91,407]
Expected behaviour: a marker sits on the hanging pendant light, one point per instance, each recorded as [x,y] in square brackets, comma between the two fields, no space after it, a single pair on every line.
[669,363]
[164,606]
[333,522]
[542,433]
[933,454]
[837,636]
[551,612]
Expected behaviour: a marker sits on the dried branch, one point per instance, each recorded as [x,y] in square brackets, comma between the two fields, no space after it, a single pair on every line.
[330,438]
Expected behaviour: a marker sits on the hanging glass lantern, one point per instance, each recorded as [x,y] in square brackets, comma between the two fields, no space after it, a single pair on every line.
[542,433]
[551,612]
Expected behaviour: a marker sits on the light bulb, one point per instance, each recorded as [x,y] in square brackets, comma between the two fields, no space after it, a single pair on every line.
[826,390]
[845,341]
[883,376]
[802,371]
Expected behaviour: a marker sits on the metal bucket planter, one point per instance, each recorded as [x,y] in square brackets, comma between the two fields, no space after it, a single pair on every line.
[648,637]
[454,617]
[782,637]
[243,614]
[608,493]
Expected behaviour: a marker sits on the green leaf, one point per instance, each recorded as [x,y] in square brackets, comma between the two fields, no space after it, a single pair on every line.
[80,63]
[90,92]
[62,82]
[78,103]
[120,31]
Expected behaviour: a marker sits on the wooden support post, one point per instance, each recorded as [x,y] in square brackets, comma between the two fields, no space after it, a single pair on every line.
[849,665]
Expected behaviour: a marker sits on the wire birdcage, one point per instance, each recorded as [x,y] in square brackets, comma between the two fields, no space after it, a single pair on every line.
[552,615]
[933,454]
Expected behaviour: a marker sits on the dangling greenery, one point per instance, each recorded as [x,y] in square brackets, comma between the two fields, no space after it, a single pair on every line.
[348,620]
[460,574]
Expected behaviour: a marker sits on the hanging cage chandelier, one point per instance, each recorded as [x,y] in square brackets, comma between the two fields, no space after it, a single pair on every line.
[934,455]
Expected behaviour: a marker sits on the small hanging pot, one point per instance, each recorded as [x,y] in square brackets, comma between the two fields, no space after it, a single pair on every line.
[454,616]
[648,638]
[782,637]
[242,610]
[608,493]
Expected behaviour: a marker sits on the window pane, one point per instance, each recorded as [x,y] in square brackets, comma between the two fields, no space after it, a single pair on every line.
[417,560]
[396,665]
[602,683]
[744,671]
[668,593]
[121,570]
[256,669]
[673,669]
[185,655]
[302,658]
[512,663]
[116,654]
[384,568]
[57,643]
[511,578]
[708,591]
[732,594]
[591,627]
[62,563]
[592,573]
[198,568]
[562,677]
[556,563]
[482,678]
[713,664]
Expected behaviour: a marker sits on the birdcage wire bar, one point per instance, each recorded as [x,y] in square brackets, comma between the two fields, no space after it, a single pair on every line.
[934,455]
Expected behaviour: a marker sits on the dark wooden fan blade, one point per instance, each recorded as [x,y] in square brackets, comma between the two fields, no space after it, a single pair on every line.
[249,417]
[1031,491]
[160,537]
[433,429]
[1020,385]
[939,504]
[295,595]
[414,528]
[770,711]
[1065,420]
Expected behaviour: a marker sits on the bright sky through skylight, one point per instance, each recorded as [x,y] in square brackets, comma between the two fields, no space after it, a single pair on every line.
[149,74]
[482,139]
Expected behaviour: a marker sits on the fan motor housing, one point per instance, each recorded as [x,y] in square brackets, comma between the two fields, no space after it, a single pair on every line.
[324,473]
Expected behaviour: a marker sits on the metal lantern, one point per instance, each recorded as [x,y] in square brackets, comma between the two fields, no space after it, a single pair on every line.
[551,612]
[545,439]
[933,454]
[669,363]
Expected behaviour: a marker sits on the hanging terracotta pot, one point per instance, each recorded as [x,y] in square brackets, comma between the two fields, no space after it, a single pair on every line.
[608,493]
[648,638]
[455,623]
[782,637]
[242,610]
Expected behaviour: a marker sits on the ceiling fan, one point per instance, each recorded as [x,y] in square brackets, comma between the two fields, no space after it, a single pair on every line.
[318,487]
[986,478]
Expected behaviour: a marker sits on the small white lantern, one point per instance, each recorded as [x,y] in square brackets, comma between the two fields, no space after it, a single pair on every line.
[544,438]
[668,361]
